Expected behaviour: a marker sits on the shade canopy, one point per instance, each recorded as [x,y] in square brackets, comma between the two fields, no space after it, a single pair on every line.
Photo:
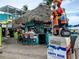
[12,10]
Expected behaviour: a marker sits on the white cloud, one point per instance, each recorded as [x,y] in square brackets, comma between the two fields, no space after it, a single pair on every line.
[70,4]
[19,3]
[73,20]
[72,11]
[65,2]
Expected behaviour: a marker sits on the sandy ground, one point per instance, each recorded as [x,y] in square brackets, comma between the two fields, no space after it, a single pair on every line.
[12,50]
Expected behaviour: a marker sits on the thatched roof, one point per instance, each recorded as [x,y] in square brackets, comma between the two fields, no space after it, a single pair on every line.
[42,12]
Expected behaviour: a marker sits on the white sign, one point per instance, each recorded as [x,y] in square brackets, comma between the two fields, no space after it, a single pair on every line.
[56,52]
[4,26]
[9,25]
[61,41]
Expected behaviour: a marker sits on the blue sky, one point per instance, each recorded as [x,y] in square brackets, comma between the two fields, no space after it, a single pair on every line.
[71,6]
[72,11]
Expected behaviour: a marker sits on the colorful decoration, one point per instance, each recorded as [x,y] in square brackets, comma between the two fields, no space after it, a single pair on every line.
[58,2]
[60,10]
[58,16]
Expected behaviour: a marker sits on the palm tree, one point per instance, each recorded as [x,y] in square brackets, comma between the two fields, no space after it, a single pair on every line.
[25,7]
[48,2]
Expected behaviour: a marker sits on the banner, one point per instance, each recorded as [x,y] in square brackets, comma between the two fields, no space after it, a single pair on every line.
[56,52]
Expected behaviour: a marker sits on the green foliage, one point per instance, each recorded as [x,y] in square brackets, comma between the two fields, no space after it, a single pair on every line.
[25,7]
[48,2]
